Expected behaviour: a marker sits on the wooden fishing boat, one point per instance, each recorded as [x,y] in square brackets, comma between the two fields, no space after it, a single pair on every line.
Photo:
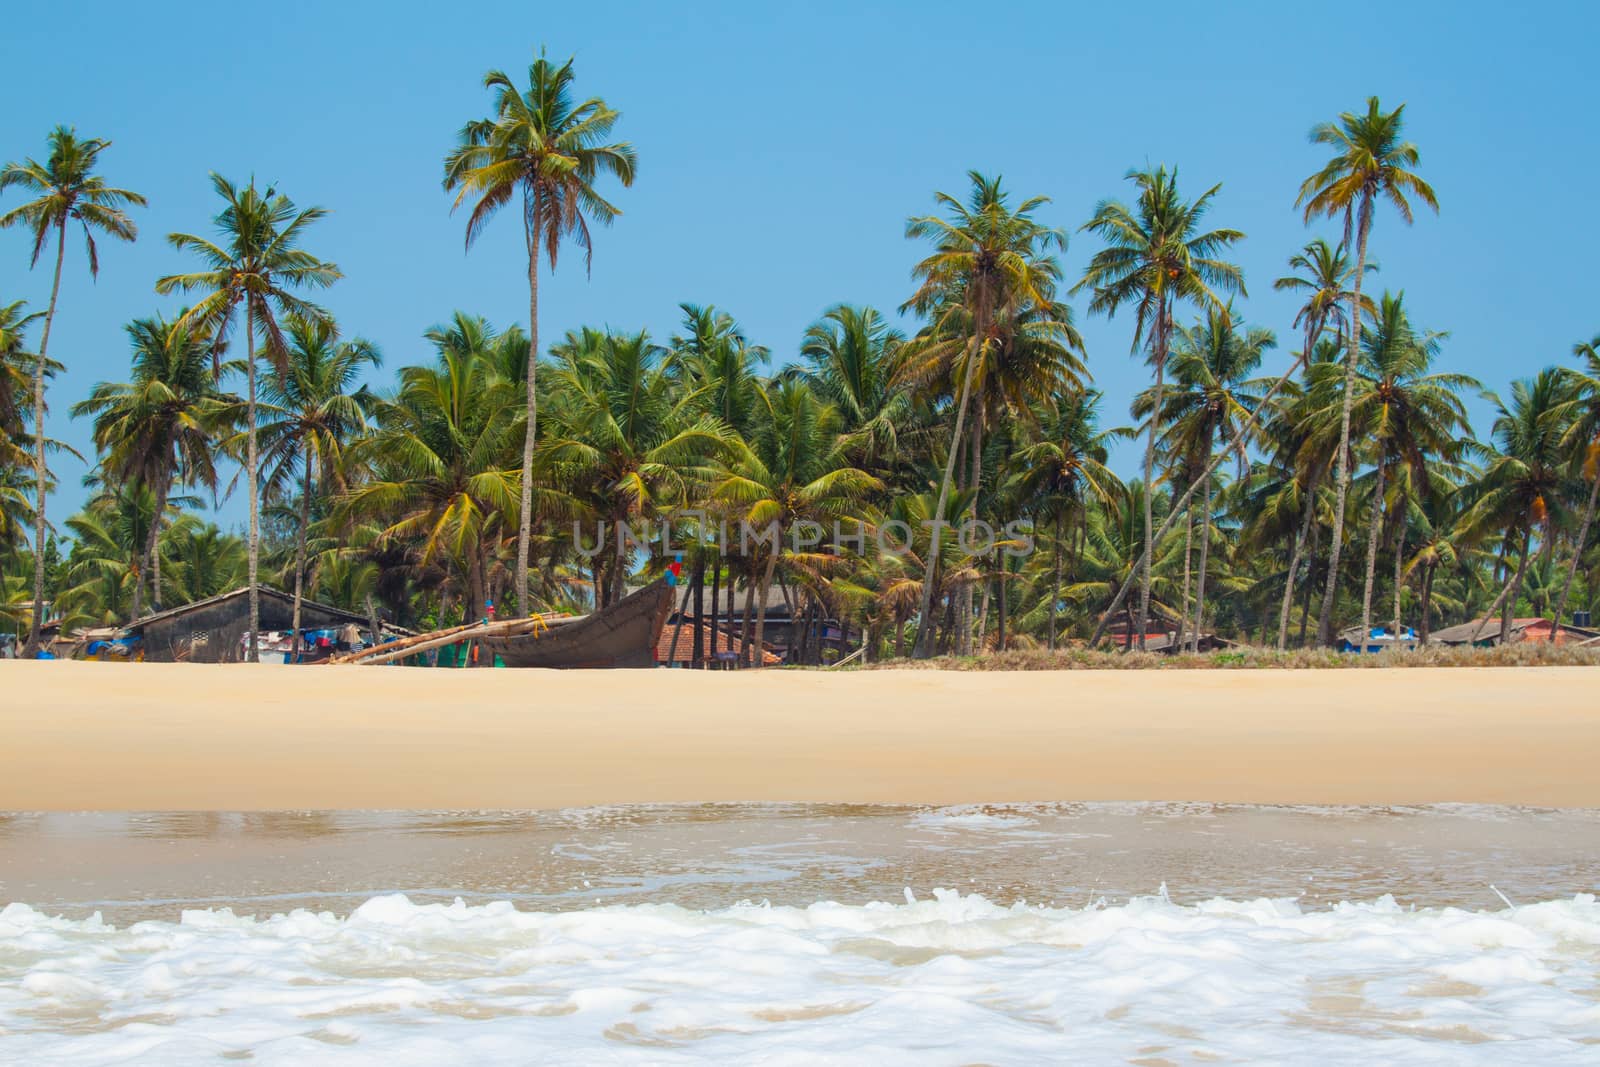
[621,635]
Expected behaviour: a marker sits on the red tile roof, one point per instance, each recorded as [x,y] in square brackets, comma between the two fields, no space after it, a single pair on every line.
[716,641]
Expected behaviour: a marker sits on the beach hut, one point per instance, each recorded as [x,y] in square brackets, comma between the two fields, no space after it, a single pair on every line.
[1377,639]
[213,630]
[1531,629]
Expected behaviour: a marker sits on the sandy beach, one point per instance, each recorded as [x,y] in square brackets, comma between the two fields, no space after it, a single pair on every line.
[87,736]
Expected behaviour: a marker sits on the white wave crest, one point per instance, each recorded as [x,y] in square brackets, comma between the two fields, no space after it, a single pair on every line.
[952,979]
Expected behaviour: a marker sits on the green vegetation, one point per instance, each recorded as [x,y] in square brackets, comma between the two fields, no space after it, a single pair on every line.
[1270,509]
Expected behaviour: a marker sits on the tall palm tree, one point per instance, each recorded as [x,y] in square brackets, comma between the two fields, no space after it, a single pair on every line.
[1370,162]
[65,190]
[1157,254]
[987,258]
[256,262]
[540,146]
[1324,281]
[1583,443]
[312,412]
[1215,396]
[161,428]
[1413,420]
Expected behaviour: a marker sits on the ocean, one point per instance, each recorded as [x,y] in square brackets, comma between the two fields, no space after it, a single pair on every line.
[1075,933]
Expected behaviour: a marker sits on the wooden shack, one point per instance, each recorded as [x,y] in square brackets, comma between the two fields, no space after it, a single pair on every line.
[213,630]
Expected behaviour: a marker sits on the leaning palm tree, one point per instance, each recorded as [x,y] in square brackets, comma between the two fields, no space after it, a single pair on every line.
[256,263]
[161,428]
[1583,443]
[1157,254]
[312,411]
[66,189]
[548,151]
[1370,162]
[988,258]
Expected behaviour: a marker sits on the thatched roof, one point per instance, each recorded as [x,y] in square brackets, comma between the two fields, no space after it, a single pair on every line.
[267,592]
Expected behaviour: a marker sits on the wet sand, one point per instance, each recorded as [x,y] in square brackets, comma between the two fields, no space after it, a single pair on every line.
[92,736]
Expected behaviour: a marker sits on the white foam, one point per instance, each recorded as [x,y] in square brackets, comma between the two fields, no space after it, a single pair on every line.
[945,979]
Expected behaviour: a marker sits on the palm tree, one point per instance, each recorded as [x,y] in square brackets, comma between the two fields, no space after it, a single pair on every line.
[1157,254]
[160,429]
[1526,483]
[257,263]
[16,371]
[849,359]
[202,561]
[792,473]
[1413,419]
[629,442]
[1325,282]
[1064,472]
[1370,162]
[987,258]
[438,484]
[66,190]
[1211,364]
[1583,442]
[543,148]
[311,415]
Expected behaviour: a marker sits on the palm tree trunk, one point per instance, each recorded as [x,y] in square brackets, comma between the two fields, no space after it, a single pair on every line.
[745,656]
[1374,530]
[373,621]
[1427,603]
[155,544]
[1577,551]
[1188,559]
[152,551]
[300,554]
[1399,569]
[1055,587]
[1510,606]
[717,642]
[925,612]
[41,473]
[531,431]
[1000,643]
[1341,475]
[1499,599]
[1163,322]
[759,660]
[699,659]
[1205,558]
[1294,564]
[251,463]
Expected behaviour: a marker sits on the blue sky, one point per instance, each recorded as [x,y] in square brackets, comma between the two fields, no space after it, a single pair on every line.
[782,147]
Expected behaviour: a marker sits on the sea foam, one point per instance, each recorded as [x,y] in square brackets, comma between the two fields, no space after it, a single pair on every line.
[945,978]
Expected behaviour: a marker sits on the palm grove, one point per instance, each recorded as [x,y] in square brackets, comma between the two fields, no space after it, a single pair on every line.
[1275,509]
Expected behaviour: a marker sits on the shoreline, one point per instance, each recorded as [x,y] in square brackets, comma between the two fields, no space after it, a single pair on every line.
[107,736]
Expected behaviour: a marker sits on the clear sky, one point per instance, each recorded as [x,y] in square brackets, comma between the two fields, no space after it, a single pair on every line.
[782,147]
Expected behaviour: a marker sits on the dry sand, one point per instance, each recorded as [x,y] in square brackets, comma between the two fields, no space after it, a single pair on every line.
[178,736]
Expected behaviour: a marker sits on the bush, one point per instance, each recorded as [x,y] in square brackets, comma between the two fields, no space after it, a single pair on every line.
[1522,654]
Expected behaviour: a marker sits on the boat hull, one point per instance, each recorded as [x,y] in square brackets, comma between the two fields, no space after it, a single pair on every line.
[622,635]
